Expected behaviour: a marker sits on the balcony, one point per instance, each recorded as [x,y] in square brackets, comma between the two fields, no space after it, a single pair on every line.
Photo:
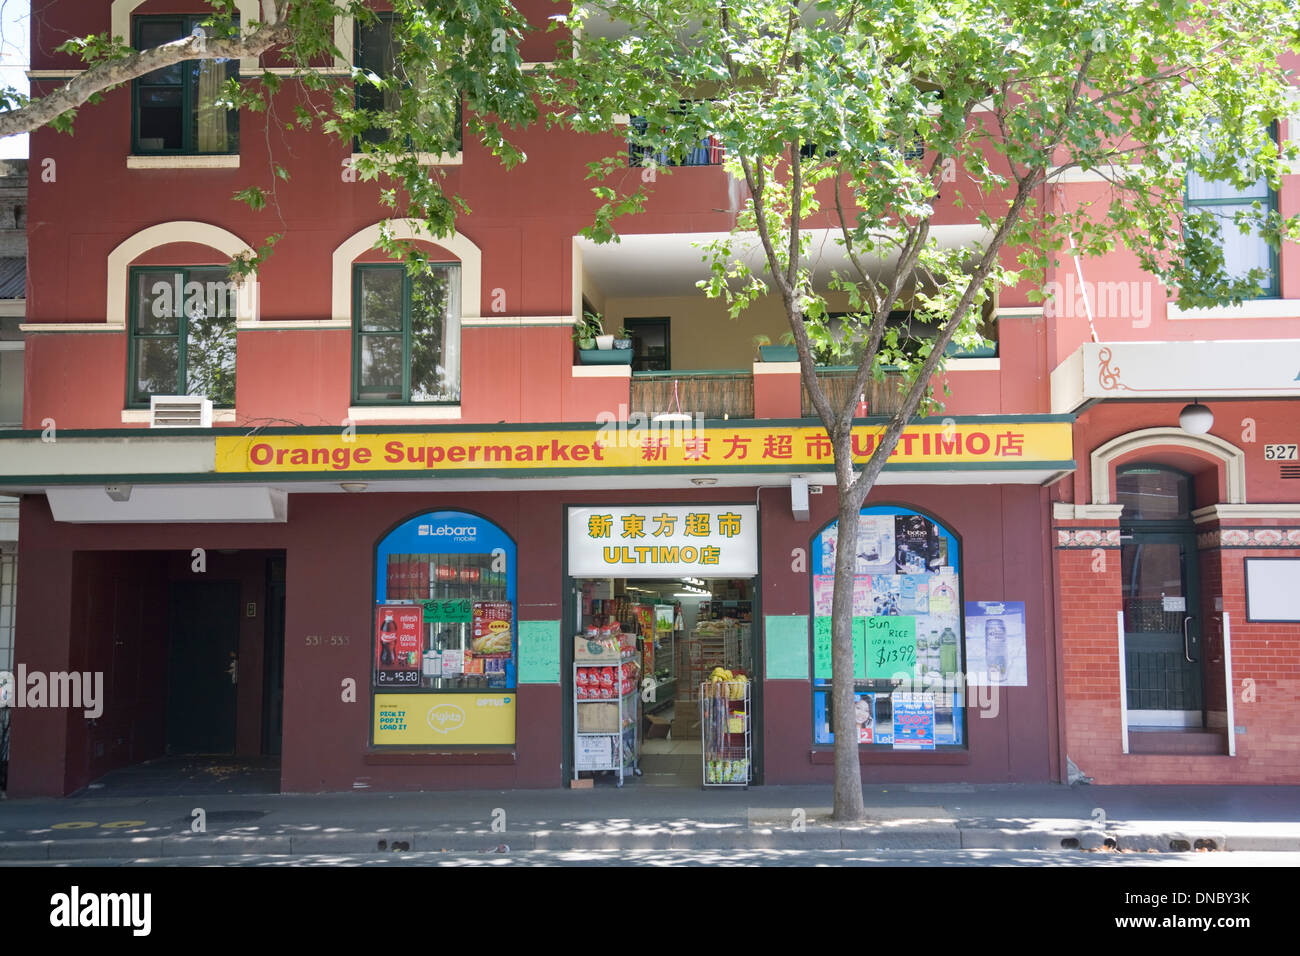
[723,393]
[882,398]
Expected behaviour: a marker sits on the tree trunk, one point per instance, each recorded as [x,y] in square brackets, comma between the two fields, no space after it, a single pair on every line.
[848,766]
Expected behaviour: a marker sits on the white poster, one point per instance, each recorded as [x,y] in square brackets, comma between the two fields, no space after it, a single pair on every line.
[995,644]
[665,541]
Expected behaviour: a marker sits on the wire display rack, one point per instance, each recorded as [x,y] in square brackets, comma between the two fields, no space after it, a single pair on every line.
[606,729]
[726,721]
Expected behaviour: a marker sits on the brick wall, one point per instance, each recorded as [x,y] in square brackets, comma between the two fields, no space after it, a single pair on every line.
[1265,663]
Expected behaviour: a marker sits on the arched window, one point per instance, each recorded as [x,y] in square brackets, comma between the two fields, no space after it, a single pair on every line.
[444,653]
[909,655]
[1153,493]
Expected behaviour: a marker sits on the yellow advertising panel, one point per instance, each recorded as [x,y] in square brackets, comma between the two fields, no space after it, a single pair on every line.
[1009,443]
[425,720]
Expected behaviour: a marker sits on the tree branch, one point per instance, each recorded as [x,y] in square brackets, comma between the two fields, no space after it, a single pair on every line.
[109,74]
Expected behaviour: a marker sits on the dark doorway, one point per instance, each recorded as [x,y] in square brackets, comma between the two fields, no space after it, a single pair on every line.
[201,673]
[273,663]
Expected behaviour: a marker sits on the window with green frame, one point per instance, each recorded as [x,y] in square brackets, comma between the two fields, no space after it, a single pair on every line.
[174,109]
[406,333]
[1242,252]
[376,51]
[182,339]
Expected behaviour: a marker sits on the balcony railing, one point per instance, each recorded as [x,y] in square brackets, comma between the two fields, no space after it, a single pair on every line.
[708,152]
[713,394]
[882,398]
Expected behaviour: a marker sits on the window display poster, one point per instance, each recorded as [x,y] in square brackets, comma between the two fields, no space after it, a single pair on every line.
[891,647]
[916,545]
[864,714]
[491,629]
[913,721]
[875,544]
[446,533]
[995,644]
[398,633]
[422,720]
[822,648]
[824,594]
[872,713]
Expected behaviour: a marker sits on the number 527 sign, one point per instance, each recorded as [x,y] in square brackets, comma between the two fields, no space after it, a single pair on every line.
[1280,452]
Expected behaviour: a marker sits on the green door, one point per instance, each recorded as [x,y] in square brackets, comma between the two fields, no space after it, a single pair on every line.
[1161,598]
[1161,626]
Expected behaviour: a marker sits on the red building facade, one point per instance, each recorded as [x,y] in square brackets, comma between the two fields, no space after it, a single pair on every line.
[1063,481]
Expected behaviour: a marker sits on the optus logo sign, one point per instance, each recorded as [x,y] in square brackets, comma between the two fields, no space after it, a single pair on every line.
[444,718]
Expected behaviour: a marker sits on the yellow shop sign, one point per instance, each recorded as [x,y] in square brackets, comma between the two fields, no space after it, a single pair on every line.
[423,720]
[1010,443]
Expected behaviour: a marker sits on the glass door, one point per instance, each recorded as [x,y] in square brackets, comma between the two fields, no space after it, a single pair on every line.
[1161,598]
[1161,628]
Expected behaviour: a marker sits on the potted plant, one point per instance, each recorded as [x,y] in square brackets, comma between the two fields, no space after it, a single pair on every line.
[623,339]
[785,352]
[596,348]
[585,330]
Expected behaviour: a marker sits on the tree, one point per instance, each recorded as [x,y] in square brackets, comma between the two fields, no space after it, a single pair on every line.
[821,108]
[445,52]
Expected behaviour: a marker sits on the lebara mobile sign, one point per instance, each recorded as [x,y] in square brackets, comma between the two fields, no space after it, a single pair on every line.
[664,541]
[425,720]
[1007,444]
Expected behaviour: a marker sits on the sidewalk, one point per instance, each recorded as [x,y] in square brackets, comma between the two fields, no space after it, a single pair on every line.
[910,816]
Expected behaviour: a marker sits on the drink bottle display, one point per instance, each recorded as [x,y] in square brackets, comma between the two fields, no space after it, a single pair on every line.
[387,637]
[948,652]
[995,649]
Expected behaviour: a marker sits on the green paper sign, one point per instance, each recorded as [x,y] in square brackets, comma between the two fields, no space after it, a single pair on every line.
[786,646]
[452,611]
[539,652]
[822,648]
[891,646]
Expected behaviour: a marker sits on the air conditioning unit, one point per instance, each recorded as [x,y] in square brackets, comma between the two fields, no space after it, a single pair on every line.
[180,411]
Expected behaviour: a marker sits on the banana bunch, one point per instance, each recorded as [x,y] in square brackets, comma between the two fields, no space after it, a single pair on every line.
[720,675]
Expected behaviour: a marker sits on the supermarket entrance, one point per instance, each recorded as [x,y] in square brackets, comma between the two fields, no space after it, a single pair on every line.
[674,635]
[663,600]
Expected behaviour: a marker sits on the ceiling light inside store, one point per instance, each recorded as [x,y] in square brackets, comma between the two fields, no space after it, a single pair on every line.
[704,481]
[353,486]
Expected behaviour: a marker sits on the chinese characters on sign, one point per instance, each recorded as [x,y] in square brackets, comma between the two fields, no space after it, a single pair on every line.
[664,540]
[725,446]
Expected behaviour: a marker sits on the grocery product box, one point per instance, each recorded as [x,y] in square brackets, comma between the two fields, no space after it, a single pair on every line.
[604,650]
[595,718]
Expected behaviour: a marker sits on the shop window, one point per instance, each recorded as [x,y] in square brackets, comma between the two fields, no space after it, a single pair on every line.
[909,652]
[445,651]
[377,48]
[176,109]
[406,334]
[1211,207]
[182,339]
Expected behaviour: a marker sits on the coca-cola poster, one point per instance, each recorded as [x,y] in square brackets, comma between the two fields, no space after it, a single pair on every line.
[399,632]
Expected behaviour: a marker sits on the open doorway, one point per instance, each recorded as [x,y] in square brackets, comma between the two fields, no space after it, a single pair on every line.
[686,629]
[192,655]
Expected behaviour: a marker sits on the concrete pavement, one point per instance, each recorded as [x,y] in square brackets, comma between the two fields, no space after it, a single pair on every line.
[640,818]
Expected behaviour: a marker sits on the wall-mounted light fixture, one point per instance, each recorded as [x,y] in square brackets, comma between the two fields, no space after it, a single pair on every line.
[1196,418]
